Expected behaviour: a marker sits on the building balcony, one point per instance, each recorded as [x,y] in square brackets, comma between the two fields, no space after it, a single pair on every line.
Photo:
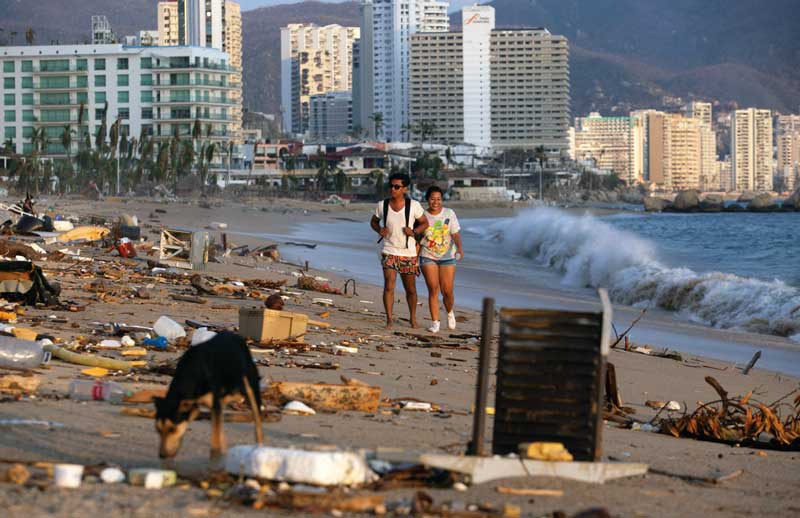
[197,68]
[54,72]
[71,121]
[68,104]
[184,84]
[201,118]
[196,100]
[70,88]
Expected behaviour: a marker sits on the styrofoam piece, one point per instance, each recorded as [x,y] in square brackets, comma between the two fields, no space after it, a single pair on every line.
[345,349]
[68,475]
[320,468]
[112,476]
[417,405]
[202,335]
[298,407]
[62,225]
[110,344]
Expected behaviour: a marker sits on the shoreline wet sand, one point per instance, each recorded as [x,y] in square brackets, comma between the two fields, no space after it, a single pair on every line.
[400,363]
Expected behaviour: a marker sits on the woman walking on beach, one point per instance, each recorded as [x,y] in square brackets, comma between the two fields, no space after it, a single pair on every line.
[399,214]
[441,246]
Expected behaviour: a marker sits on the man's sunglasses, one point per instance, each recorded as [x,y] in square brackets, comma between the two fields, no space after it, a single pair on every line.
[397,186]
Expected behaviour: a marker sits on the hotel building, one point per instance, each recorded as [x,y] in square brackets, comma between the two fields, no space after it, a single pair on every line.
[331,116]
[607,141]
[498,88]
[751,149]
[158,91]
[788,136]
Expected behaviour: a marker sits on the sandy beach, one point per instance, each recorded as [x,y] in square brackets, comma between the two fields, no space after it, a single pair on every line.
[404,363]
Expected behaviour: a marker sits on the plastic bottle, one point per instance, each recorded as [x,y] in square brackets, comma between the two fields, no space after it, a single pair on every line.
[22,354]
[157,343]
[168,328]
[98,390]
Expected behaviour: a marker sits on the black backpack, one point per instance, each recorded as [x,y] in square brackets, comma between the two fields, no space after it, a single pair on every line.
[386,215]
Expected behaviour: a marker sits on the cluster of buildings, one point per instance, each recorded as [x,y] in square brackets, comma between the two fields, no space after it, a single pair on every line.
[676,151]
[157,84]
[403,69]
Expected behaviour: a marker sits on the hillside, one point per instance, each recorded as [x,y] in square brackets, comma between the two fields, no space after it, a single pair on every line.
[624,53]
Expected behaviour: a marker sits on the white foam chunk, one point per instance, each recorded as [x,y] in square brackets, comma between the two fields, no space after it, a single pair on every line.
[320,468]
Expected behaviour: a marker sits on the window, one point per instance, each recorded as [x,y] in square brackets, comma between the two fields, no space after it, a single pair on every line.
[61,98]
[122,80]
[122,63]
[99,97]
[55,115]
[147,96]
[54,82]
[124,113]
[81,64]
[27,131]
[27,116]
[147,63]
[99,64]
[10,116]
[147,113]
[98,114]
[99,80]
[8,83]
[11,132]
[54,65]
[82,81]
[147,80]
[147,129]
[27,148]
[27,82]
[122,96]
[27,66]
[8,66]
[82,98]
[9,100]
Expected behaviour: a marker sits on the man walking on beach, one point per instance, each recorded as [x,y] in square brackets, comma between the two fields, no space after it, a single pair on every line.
[398,215]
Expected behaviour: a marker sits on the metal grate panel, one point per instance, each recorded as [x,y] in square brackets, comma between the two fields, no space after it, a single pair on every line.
[550,373]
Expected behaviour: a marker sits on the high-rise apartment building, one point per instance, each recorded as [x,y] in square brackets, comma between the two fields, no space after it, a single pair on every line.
[709,172]
[788,137]
[331,115]
[314,60]
[725,175]
[233,46]
[666,150]
[167,13]
[751,149]
[201,23]
[388,25]
[491,87]
[158,91]
[607,141]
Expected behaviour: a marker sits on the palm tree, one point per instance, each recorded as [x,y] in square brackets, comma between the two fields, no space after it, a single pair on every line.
[377,121]
[322,175]
[30,35]
[541,156]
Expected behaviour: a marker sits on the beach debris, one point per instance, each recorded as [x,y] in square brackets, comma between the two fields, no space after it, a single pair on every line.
[549,451]
[152,478]
[167,328]
[416,405]
[13,249]
[88,233]
[19,383]
[68,475]
[274,302]
[309,283]
[16,353]
[112,476]
[261,325]
[15,474]
[525,491]
[87,360]
[88,390]
[751,363]
[320,468]
[673,406]
[352,395]
[183,248]
[159,342]
[189,298]
[630,327]
[201,335]
[739,420]
[297,408]
[24,282]
[31,422]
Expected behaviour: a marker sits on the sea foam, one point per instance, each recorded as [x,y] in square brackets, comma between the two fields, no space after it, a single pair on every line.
[591,253]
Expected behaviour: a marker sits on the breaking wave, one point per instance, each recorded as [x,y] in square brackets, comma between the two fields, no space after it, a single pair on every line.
[591,253]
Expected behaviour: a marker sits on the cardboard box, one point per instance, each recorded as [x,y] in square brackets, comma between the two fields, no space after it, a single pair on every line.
[263,325]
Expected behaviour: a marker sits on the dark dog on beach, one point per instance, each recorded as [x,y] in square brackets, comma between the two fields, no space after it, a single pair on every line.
[210,374]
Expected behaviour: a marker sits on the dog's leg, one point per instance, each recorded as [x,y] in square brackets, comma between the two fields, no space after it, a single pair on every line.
[217,437]
[256,411]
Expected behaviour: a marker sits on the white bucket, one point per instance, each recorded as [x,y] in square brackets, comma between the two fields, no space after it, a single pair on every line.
[68,475]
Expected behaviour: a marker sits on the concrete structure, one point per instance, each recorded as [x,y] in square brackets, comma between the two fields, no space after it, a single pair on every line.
[148,38]
[331,116]
[702,112]
[491,88]
[155,91]
[606,140]
[666,150]
[101,31]
[363,70]
[725,175]
[314,60]
[168,23]
[788,137]
[201,23]
[389,25]
[709,172]
[751,149]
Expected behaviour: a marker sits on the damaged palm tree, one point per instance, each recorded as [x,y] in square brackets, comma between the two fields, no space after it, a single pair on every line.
[739,420]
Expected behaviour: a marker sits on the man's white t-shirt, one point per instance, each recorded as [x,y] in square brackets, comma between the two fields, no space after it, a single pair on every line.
[395,242]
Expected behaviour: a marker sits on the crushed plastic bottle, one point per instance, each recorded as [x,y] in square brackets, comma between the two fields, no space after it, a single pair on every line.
[168,328]
[22,354]
[88,390]
[156,343]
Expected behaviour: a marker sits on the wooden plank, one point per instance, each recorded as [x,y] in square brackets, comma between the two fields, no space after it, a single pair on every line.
[323,396]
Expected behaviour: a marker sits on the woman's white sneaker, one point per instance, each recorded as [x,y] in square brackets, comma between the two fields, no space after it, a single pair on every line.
[434,327]
[451,320]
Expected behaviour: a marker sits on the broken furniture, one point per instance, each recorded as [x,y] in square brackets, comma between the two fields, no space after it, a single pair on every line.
[24,282]
[184,248]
